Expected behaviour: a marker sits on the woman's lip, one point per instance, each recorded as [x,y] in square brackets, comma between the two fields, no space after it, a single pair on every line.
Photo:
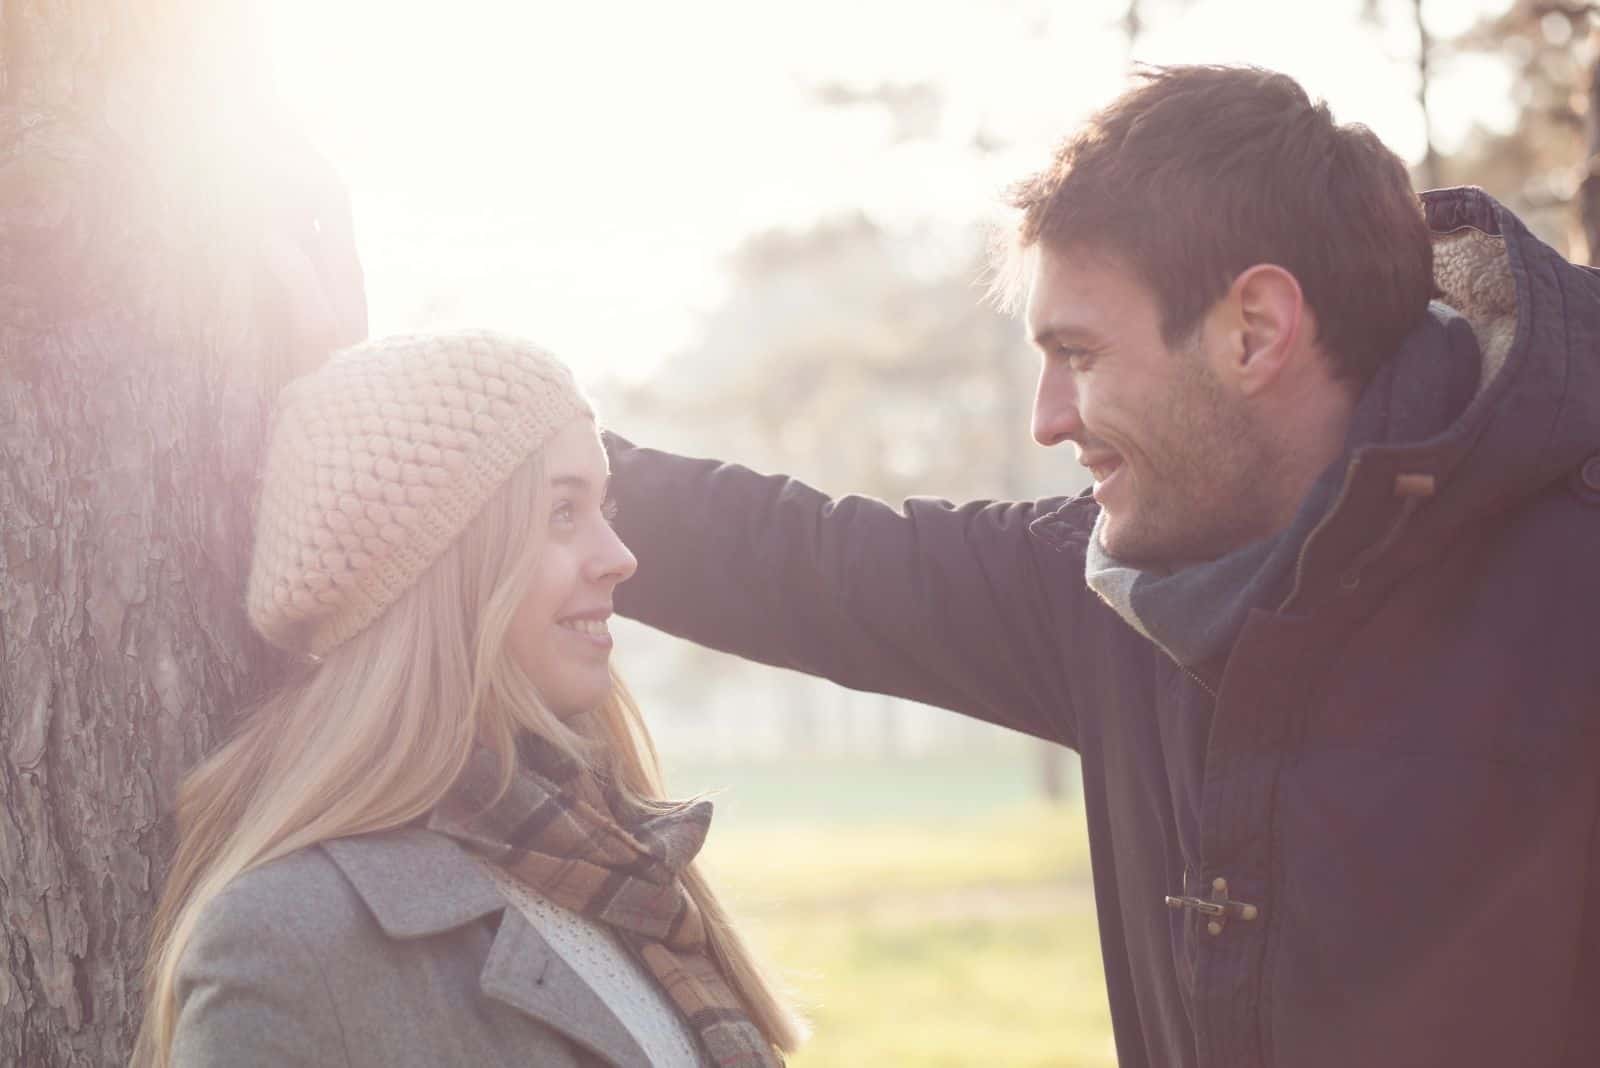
[591,628]
[598,641]
[599,615]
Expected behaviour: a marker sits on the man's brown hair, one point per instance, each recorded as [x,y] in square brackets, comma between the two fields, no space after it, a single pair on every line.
[1200,172]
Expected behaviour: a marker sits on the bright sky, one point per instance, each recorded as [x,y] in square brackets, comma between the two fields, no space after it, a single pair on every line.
[577,172]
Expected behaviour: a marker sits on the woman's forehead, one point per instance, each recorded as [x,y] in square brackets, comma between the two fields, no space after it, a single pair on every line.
[574,454]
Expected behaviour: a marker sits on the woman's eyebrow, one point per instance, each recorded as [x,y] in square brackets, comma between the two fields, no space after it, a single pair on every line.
[577,483]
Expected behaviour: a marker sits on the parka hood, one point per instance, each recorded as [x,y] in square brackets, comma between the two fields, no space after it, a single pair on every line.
[1536,415]
[1533,421]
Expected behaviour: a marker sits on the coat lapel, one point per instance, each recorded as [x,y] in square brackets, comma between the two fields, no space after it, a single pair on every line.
[418,883]
[526,973]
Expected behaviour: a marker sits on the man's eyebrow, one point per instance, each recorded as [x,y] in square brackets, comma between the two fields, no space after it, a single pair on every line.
[1064,332]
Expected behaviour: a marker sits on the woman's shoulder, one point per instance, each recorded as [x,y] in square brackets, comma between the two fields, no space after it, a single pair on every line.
[402,883]
[285,957]
[301,897]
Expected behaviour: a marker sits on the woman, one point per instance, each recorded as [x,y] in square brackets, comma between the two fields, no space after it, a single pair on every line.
[445,843]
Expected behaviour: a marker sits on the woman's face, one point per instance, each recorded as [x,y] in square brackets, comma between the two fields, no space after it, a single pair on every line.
[560,635]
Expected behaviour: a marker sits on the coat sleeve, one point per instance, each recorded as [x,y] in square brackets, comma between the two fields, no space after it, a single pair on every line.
[946,605]
[251,993]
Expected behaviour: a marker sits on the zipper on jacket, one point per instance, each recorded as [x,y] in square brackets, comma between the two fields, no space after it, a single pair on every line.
[1305,546]
[1198,680]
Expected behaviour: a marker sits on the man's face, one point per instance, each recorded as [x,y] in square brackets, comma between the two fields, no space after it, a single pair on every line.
[1173,453]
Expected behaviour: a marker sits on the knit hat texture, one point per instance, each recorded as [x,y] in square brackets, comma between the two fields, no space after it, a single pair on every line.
[378,460]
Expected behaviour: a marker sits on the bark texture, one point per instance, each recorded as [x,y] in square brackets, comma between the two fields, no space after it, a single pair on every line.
[169,255]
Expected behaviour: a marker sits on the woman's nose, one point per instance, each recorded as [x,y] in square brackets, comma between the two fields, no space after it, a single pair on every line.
[611,560]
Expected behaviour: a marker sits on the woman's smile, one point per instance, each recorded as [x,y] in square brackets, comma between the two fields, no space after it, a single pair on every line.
[591,628]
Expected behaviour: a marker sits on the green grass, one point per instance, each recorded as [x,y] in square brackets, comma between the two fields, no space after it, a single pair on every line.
[960,935]
[792,867]
[1019,990]
[836,792]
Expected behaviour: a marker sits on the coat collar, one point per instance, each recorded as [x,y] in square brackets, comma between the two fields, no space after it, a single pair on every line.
[417,883]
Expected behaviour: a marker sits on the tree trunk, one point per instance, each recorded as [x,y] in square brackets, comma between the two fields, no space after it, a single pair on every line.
[1428,166]
[168,256]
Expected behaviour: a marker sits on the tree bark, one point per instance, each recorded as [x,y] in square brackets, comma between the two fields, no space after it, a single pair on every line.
[169,255]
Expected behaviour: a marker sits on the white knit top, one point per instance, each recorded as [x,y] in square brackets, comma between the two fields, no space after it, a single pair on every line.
[620,979]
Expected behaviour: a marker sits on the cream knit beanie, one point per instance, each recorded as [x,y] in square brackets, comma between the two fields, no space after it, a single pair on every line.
[378,460]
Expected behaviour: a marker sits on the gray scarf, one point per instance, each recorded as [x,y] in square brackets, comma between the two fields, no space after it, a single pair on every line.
[1194,613]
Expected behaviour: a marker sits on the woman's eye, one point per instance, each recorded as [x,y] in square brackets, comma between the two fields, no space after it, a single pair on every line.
[608,509]
[562,513]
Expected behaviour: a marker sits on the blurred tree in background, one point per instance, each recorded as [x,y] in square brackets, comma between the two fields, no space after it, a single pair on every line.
[859,355]
[1541,167]
[861,359]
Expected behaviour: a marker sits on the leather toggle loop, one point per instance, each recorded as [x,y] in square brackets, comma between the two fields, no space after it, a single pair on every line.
[1417,485]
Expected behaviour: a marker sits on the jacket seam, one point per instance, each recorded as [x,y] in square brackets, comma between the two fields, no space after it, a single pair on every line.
[1271,935]
[1566,369]
[1064,682]
[327,990]
[1412,753]
[1590,870]
[1522,274]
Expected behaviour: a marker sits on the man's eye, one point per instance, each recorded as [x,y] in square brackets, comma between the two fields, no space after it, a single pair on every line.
[608,509]
[1075,356]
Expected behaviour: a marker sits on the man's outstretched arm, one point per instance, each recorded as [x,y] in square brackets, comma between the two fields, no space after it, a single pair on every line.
[945,605]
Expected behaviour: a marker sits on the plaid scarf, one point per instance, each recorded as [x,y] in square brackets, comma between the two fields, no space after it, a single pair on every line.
[565,834]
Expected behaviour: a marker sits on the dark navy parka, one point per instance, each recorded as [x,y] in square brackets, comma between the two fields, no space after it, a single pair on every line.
[1396,775]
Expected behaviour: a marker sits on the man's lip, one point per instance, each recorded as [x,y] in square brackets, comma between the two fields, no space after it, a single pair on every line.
[1103,477]
[1101,467]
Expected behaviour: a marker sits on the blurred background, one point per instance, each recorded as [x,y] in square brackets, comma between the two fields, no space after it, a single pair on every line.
[757,230]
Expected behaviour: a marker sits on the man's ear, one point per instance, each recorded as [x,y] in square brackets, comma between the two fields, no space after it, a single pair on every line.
[1265,316]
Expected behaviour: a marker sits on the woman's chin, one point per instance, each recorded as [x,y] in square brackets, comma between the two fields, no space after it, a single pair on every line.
[576,704]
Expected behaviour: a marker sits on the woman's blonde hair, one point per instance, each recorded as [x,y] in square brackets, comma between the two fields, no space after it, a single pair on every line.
[376,733]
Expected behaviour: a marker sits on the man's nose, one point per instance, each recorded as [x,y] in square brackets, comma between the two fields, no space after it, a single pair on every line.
[1055,408]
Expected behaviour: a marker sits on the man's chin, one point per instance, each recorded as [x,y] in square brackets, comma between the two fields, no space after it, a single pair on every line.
[1111,536]
[1124,542]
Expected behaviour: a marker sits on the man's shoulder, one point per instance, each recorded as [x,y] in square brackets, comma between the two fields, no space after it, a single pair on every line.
[1561,525]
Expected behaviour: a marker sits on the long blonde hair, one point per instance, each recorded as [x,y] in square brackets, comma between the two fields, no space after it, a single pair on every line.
[376,733]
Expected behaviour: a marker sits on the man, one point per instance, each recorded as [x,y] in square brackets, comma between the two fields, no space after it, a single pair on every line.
[1326,631]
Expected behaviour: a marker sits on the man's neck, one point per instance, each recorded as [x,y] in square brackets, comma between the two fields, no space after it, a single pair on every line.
[1309,438]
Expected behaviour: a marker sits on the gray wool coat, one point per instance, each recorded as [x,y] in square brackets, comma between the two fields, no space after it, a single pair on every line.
[383,951]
